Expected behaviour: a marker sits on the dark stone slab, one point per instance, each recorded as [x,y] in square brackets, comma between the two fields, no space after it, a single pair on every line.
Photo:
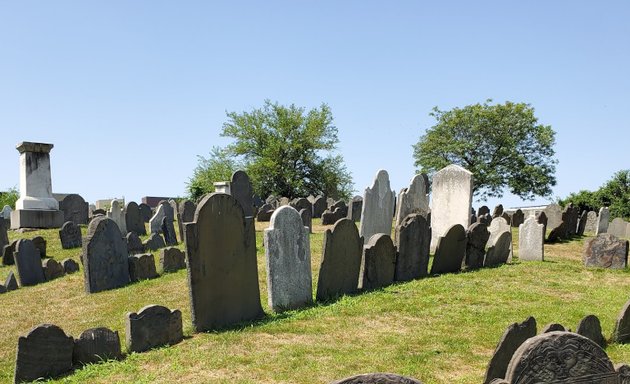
[590,327]
[105,264]
[69,266]
[2,289]
[97,212]
[477,236]
[95,345]
[46,351]
[241,190]
[187,211]
[377,378]
[512,338]
[29,263]
[541,218]
[621,334]
[222,265]
[319,206]
[154,242]
[354,208]
[264,213]
[413,241]
[341,260]
[558,233]
[134,220]
[340,208]
[606,251]
[507,217]
[70,235]
[582,223]
[498,211]
[168,229]
[74,209]
[483,210]
[142,267]
[172,259]
[36,218]
[570,217]
[553,327]
[52,269]
[379,262]
[302,203]
[134,244]
[4,237]
[7,253]
[145,212]
[40,243]
[485,219]
[518,217]
[450,251]
[11,283]
[499,252]
[307,219]
[153,326]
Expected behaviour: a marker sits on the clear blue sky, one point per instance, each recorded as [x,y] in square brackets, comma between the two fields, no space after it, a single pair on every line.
[130,92]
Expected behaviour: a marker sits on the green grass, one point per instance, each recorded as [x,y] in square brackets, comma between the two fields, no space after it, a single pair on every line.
[439,329]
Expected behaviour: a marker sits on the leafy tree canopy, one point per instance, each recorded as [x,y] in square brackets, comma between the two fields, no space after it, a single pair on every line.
[9,197]
[614,194]
[503,145]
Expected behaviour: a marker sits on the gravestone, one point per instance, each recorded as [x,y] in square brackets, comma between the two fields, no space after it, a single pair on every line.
[602,220]
[582,223]
[133,219]
[28,263]
[98,212]
[264,213]
[377,378]
[341,260]
[378,263]
[617,227]
[413,240]
[95,345]
[518,217]
[168,229]
[74,209]
[153,326]
[241,189]
[554,215]
[134,244]
[331,217]
[222,267]
[340,208]
[606,251]
[307,219]
[7,253]
[531,238]
[451,201]
[70,235]
[145,212]
[553,327]
[507,217]
[302,203]
[187,211]
[105,264]
[497,227]
[590,327]
[6,212]
[558,233]
[499,252]
[52,269]
[117,214]
[477,236]
[591,222]
[172,259]
[378,207]
[498,211]
[541,218]
[412,199]
[450,251]
[4,237]
[142,267]
[483,210]
[46,351]
[354,208]
[319,206]
[69,266]
[513,337]
[621,333]
[10,283]
[288,257]
[484,219]
[40,243]
[155,223]
[154,242]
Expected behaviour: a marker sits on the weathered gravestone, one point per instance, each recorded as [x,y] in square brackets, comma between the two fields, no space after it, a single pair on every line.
[4,238]
[558,233]
[105,264]
[6,212]
[553,327]
[499,252]
[451,201]
[155,223]
[46,351]
[560,357]
[221,261]
[497,227]
[154,242]
[142,267]
[117,214]
[319,206]
[531,239]
[70,235]
[606,251]
[512,338]
[134,220]
[69,266]
[168,229]
[52,269]
[507,217]
[498,211]
[74,209]
[264,213]
[28,263]
[172,259]
[378,263]
[477,236]
[354,208]
[153,326]
[591,222]
[95,345]
[450,251]
[7,253]
[581,228]
[40,244]
[617,227]
[554,215]
[288,256]
[413,240]
[134,244]
[186,215]
[602,220]
[340,208]
[378,207]
[541,218]
[483,210]
[569,218]
[331,217]
[518,217]
[341,261]
[307,219]
[145,212]
[590,327]
[412,199]
[484,219]
[11,283]
[377,378]
[621,333]
[302,203]
[241,189]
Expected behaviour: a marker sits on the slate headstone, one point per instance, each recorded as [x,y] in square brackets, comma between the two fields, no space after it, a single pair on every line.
[483,210]
[377,378]
[153,326]
[134,244]
[603,218]
[499,252]
[168,229]
[302,203]
[413,240]
[74,209]
[507,217]
[28,263]
[477,236]
[621,333]
[134,220]
[264,213]
[46,351]
[498,211]
[142,267]
[241,189]
[412,199]
[69,266]
[531,238]
[307,219]
[4,238]
[554,215]
[378,207]
[590,327]
[70,235]
[7,253]
[154,242]
[591,222]
[172,259]
[95,345]
[378,263]
[518,217]
[319,206]
[354,208]
[40,243]
[582,223]
[450,251]
[606,251]
[52,269]
[11,283]
[541,218]
[553,327]
[558,233]
[145,212]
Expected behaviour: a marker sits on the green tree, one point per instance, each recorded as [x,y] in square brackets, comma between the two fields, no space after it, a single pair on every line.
[614,194]
[9,197]
[218,166]
[503,145]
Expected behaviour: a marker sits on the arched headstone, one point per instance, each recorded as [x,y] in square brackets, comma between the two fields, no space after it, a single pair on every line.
[378,207]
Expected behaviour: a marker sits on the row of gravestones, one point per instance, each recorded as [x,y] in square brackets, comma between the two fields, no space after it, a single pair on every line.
[570,222]
[46,351]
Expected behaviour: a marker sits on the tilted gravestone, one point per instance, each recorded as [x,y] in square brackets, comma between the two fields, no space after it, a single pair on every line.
[477,236]
[450,251]
[142,267]
[451,201]
[581,228]
[52,269]
[186,214]
[413,240]
[591,222]
[134,244]
[95,345]
[377,378]
[7,253]
[341,261]
[606,251]
[554,215]
[319,206]
[70,235]
[378,207]
[69,266]
[307,219]
[498,211]
[74,209]
[590,327]
[11,283]
[155,223]
[117,214]
[512,338]
[145,212]
[154,242]
[378,263]
[412,199]
[153,326]
[531,238]
[288,257]
[497,227]
[354,208]
[621,333]
[518,217]
[617,227]
[331,217]
[134,220]
[172,259]
[553,327]
[222,267]
[46,351]
[558,233]
[168,229]
[499,252]
[105,264]
[602,220]
[241,190]
[28,263]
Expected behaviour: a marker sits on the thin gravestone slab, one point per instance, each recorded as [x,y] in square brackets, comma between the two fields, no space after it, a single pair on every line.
[134,220]
[513,337]
[590,327]
[531,240]
[10,283]
[153,326]
[155,223]
[45,352]
[412,199]
[603,218]
[70,235]
[378,264]
[413,241]
[378,207]
[40,243]
[554,215]
[621,333]
[95,345]
[134,244]
[28,263]
[69,266]
[52,269]
[307,218]
[450,251]
[172,259]
[168,230]
[154,242]
[591,222]
[4,237]
[241,190]
[499,252]
[617,227]
[74,209]
[116,212]
[477,236]
[582,223]
[145,212]
[553,327]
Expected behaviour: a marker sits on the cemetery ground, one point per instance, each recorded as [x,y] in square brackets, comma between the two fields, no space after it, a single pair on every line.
[439,329]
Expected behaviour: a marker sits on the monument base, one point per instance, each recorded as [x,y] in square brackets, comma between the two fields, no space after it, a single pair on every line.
[31,218]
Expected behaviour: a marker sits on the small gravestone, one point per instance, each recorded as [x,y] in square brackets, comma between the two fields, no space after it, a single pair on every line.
[186,215]
[307,219]
[142,267]
[354,208]
[531,238]
[553,327]
[498,211]
[412,199]
[11,283]
[378,207]
[602,220]
[413,240]
[379,262]
[153,326]
[241,190]
[499,252]
[558,233]
[377,378]
[172,259]
[554,215]
[512,338]
[74,209]
[477,236]
[340,208]
[483,210]
[483,219]
[264,213]
[4,238]
[154,242]
[341,260]
[7,253]
[46,351]
[581,228]
[95,345]
[591,222]
[28,263]
[168,229]
[302,203]
[40,243]
[569,218]
[117,214]
[507,217]
[329,217]
[98,212]
[518,218]
[319,206]
[541,218]
[134,220]
[105,264]
[52,269]
[5,213]
[70,235]
[496,228]
[155,223]
[288,256]
[134,244]
[590,327]
[69,266]
[606,251]
[450,251]
[145,212]
[621,334]
[617,227]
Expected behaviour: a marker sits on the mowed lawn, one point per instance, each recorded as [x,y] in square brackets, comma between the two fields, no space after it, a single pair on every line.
[440,329]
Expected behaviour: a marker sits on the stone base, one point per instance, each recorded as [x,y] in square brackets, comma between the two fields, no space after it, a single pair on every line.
[31,218]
